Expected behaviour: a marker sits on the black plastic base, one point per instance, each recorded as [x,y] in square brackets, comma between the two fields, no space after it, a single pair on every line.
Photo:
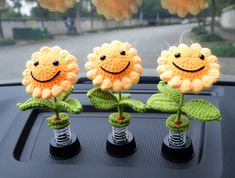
[121,149]
[62,152]
[177,154]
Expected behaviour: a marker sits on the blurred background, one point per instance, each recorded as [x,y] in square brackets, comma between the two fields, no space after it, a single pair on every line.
[25,27]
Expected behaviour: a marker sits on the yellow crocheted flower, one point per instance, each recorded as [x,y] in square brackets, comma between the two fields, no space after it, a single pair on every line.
[114,66]
[57,5]
[50,72]
[189,69]
[117,10]
[183,7]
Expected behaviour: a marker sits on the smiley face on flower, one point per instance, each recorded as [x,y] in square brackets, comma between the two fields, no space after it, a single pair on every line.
[50,72]
[114,66]
[188,68]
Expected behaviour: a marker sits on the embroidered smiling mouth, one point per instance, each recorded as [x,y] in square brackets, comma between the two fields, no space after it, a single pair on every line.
[186,70]
[116,72]
[44,81]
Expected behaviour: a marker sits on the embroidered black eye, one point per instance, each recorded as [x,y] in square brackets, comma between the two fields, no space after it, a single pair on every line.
[201,56]
[102,57]
[177,55]
[123,52]
[55,63]
[35,63]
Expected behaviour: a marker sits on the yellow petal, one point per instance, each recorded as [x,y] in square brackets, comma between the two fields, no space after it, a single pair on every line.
[73,67]
[185,86]
[46,93]
[91,57]
[30,88]
[207,81]
[106,85]
[98,80]
[66,85]
[91,74]
[26,81]
[166,76]
[135,77]
[175,82]
[137,60]
[117,86]
[212,59]
[138,68]
[72,77]
[56,90]
[37,92]
[161,69]
[197,85]
[126,83]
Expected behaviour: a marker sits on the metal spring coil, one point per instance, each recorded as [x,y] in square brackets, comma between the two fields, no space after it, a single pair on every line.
[63,136]
[177,139]
[120,134]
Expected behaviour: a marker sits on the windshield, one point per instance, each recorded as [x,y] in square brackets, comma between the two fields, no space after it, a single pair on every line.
[150,26]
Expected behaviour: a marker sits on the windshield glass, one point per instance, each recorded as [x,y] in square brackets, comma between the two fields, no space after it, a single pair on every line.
[151,26]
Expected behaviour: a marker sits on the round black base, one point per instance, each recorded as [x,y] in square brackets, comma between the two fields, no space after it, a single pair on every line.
[121,149]
[177,154]
[63,152]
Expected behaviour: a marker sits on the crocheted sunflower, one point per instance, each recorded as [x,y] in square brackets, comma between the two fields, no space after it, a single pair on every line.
[188,68]
[114,66]
[49,76]
[183,7]
[50,72]
[117,10]
[57,5]
[185,69]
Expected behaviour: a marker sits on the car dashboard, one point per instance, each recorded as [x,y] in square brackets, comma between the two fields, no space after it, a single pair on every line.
[24,138]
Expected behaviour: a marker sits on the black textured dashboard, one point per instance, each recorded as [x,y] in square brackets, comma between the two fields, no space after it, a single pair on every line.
[25,136]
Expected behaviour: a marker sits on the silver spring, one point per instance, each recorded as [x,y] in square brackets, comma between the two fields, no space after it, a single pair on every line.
[120,134]
[63,136]
[177,139]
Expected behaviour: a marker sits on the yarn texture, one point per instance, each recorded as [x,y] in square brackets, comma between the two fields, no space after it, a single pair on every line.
[183,7]
[117,10]
[188,68]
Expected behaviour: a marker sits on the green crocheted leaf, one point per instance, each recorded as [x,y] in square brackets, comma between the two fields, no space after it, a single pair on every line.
[201,110]
[71,105]
[171,92]
[136,105]
[65,95]
[162,102]
[34,103]
[103,100]
[124,96]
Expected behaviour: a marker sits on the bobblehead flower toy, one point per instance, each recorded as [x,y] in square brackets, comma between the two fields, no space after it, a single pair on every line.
[184,69]
[57,5]
[112,68]
[49,76]
[183,7]
[117,10]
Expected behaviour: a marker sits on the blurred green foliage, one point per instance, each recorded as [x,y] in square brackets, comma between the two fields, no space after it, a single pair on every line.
[223,49]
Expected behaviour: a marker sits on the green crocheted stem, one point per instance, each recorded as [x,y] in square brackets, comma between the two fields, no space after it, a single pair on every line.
[120,108]
[60,122]
[113,119]
[179,112]
[173,123]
